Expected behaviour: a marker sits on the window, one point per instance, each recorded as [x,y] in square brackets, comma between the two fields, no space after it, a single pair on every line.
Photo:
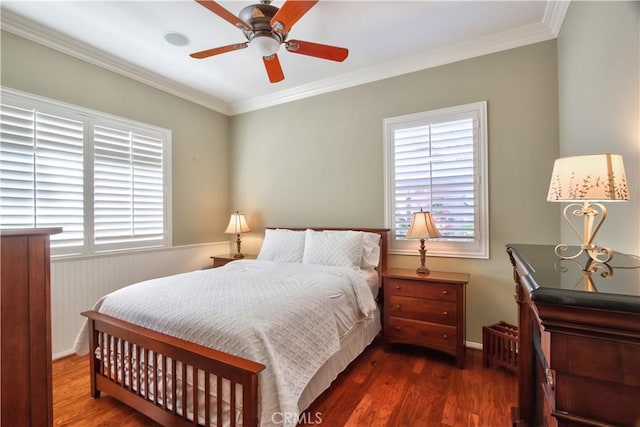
[437,161]
[105,180]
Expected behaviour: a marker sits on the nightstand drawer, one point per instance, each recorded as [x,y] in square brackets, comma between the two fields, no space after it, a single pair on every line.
[221,261]
[411,288]
[426,334]
[421,309]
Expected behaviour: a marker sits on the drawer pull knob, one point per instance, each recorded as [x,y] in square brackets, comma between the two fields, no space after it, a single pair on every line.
[397,286]
[445,292]
[398,306]
[445,336]
[397,328]
[445,313]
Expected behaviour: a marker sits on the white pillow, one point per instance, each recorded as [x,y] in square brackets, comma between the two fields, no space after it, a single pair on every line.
[336,248]
[282,245]
[370,250]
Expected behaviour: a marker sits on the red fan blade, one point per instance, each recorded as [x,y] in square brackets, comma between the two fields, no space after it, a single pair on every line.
[290,12]
[274,70]
[224,14]
[323,51]
[218,50]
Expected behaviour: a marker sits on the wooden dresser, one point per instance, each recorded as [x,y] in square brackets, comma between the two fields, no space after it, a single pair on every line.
[25,328]
[425,310]
[579,343]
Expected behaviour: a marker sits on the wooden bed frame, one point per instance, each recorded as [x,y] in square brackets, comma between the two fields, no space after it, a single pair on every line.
[120,355]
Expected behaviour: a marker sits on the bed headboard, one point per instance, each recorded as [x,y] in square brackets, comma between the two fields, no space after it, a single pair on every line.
[383,232]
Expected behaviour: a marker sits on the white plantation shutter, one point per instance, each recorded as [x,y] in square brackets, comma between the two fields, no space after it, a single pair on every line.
[17,181]
[434,171]
[128,186]
[41,164]
[435,162]
[104,180]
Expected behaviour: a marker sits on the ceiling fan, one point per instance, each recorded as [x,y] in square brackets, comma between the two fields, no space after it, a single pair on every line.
[266,27]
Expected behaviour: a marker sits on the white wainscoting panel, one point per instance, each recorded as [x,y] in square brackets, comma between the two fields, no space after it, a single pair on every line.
[77,283]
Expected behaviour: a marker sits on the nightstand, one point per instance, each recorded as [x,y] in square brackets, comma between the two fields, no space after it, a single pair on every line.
[425,310]
[220,260]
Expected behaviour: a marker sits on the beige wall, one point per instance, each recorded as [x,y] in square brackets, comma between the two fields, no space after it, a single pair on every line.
[318,162]
[599,102]
[200,136]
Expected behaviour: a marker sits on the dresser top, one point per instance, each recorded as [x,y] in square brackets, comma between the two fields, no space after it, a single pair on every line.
[577,282]
[433,276]
[29,231]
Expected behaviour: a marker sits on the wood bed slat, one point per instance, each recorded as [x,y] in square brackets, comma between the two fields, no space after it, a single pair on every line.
[232,405]
[130,370]
[137,370]
[145,372]
[156,388]
[207,399]
[164,382]
[121,370]
[107,362]
[174,387]
[184,390]
[219,399]
[194,394]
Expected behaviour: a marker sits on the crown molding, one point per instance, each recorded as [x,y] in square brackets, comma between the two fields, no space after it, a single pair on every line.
[554,14]
[30,30]
[547,29]
[522,36]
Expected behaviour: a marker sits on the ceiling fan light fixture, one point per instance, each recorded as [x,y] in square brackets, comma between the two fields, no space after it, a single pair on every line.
[265,45]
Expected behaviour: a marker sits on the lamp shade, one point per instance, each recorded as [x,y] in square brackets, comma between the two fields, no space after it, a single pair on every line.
[597,177]
[422,226]
[237,224]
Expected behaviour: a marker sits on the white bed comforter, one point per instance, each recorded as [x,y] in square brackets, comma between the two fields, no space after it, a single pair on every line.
[281,315]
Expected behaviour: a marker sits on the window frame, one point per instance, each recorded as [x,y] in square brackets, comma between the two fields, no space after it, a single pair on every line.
[479,247]
[91,118]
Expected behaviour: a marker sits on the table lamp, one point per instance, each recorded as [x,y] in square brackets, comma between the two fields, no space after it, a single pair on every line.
[237,225]
[422,227]
[585,181]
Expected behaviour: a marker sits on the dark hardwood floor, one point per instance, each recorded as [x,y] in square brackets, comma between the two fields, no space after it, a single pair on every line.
[403,386]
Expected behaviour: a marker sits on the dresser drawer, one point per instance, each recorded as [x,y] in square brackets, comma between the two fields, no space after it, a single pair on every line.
[433,290]
[441,337]
[428,310]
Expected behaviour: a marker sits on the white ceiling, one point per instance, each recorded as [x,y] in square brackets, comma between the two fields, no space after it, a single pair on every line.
[384,38]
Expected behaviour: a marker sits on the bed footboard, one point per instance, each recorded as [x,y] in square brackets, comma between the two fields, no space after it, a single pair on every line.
[172,381]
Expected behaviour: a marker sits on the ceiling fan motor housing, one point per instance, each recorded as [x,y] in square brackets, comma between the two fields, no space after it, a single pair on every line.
[259,16]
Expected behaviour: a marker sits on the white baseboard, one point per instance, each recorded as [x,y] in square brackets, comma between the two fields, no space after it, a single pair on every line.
[471,344]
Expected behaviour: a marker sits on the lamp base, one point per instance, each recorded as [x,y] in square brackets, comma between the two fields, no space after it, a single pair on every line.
[599,254]
[423,255]
[238,254]
[588,211]
[423,270]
